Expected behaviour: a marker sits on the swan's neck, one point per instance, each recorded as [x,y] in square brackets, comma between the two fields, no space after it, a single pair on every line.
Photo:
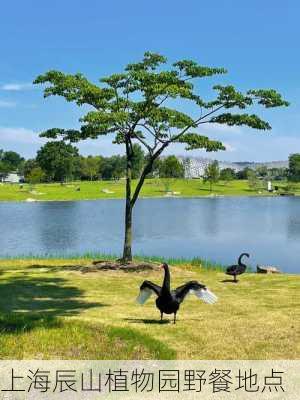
[240,260]
[167,280]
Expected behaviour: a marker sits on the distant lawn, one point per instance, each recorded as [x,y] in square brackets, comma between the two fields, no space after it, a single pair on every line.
[116,189]
[48,309]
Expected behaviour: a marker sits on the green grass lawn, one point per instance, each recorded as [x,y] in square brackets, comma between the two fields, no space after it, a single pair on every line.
[112,189]
[51,310]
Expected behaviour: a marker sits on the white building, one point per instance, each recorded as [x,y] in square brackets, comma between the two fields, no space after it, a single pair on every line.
[13,177]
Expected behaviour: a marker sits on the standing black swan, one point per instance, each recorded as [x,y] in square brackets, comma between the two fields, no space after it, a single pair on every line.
[238,269]
[168,301]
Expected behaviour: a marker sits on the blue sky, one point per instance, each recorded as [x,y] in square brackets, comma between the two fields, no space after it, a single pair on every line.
[257,41]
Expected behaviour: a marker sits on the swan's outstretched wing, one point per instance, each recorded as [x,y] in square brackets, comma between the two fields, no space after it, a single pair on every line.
[146,290]
[198,290]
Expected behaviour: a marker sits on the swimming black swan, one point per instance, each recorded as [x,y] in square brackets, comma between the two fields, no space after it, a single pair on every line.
[238,269]
[168,301]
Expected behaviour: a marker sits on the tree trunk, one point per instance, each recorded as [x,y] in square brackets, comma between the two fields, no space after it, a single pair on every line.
[130,202]
[127,253]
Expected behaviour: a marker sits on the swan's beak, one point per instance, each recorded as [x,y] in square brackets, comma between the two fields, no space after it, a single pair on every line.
[161,266]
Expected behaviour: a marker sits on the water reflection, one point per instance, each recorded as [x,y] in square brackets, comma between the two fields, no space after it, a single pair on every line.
[293,220]
[218,229]
[210,218]
[55,224]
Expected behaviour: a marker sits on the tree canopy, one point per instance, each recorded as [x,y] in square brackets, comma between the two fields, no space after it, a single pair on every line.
[57,160]
[132,104]
[10,161]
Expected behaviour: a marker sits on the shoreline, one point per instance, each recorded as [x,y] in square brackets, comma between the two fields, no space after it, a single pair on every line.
[152,197]
[87,258]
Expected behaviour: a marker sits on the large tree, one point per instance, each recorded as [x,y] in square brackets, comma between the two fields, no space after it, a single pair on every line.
[57,159]
[12,160]
[142,105]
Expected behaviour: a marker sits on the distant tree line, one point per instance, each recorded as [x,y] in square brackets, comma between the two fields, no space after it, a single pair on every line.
[58,161]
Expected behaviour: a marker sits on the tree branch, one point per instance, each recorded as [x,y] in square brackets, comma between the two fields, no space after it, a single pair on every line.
[143,142]
[197,122]
[146,171]
[155,135]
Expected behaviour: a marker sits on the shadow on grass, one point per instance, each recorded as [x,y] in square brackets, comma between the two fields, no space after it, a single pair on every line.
[147,321]
[228,281]
[27,302]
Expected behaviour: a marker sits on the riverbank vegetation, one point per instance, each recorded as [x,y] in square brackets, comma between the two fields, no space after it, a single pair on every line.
[49,309]
[165,187]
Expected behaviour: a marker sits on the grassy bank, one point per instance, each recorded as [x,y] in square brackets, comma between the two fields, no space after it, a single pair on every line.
[112,189]
[49,309]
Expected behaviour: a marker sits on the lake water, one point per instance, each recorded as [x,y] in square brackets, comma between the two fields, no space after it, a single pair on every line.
[213,228]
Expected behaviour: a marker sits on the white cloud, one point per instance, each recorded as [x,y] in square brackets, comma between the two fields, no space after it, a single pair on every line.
[219,128]
[22,140]
[229,147]
[7,104]
[19,136]
[27,142]
[261,147]
[102,146]
[16,87]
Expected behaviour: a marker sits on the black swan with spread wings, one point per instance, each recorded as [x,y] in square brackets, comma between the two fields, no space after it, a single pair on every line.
[168,301]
